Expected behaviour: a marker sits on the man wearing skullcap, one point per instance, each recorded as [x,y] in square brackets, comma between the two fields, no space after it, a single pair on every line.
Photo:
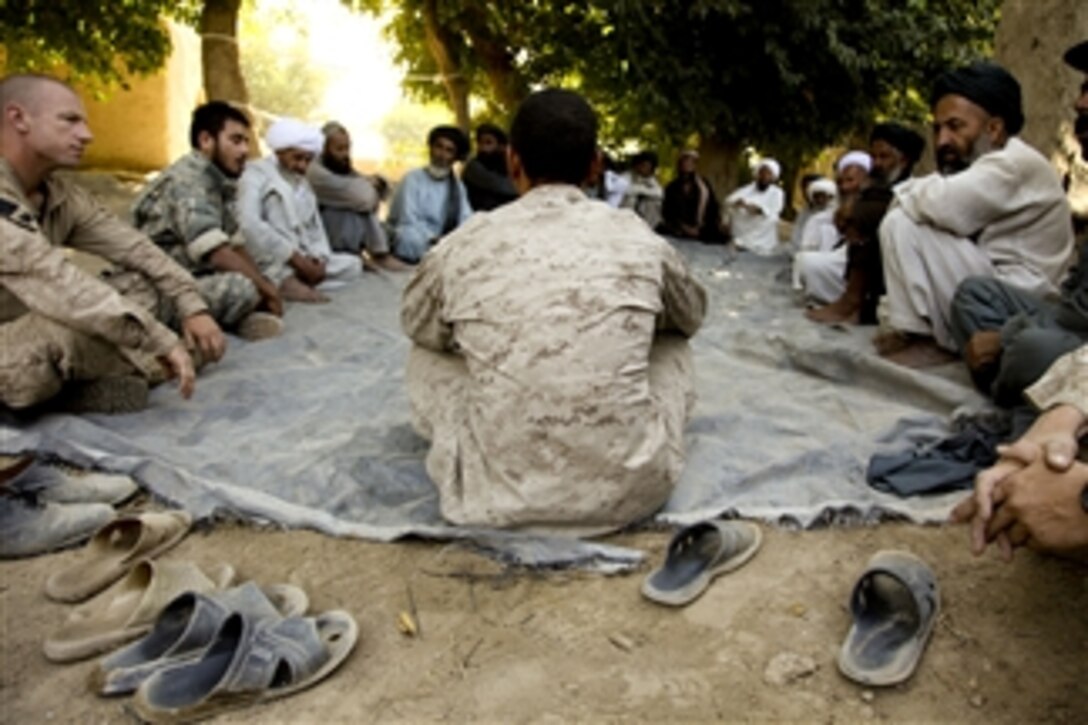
[644,194]
[754,209]
[189,211]
[995,209]
[1009,336]
[690,208]
[821,261]
[279,216]
[485,176]
[349,201]
[894,149]
[431,202]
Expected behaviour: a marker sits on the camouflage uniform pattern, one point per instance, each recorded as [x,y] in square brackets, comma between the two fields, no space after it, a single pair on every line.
[551,371]
[58,323]
[189,210]
[1065,383]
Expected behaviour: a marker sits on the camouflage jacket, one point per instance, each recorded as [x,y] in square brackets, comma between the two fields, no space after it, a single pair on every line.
[554,302]
[189,210]
[36,275]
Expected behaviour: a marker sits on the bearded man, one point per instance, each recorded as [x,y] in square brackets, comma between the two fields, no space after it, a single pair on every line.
[485,176]
[189,211]
[995,209]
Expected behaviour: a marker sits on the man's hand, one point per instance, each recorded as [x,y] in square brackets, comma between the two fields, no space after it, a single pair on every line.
[270,298]
[984,348]
[310,270]
[179,365]
[1051,441]
[1041,508]
[202,333]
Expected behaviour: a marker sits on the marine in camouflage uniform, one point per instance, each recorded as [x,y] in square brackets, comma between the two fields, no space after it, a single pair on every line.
[189,211]
[59,324]
[551,370]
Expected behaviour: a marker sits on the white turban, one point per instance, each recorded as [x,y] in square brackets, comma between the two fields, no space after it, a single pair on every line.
[821,186]
[769,164]
[290,133]
[855,158]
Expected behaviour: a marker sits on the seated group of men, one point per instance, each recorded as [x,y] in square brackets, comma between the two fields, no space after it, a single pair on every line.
[550,333]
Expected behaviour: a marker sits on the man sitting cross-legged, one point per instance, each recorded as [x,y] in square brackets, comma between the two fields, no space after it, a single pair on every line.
[61,329]
[189,211]
[278,212]
[996,209]
[551,370]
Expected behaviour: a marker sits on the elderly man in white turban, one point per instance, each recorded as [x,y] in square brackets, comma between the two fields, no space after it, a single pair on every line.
[820,267]
[278,214]
[754,210]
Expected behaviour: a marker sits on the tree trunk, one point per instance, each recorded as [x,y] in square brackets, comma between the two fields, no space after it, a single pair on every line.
[440,43]
[719,161]
[223,80]
[508,83]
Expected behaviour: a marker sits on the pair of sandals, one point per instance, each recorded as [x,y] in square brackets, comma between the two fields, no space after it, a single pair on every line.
[894,603]
[201,647]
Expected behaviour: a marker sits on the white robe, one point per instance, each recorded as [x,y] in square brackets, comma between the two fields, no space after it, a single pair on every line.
[1006,216]
[278,215]
[819,267]
[757,232]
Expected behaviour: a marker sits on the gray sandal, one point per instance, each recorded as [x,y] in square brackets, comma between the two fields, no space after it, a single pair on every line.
[249,662]
[186,627]
[894,605]
[697,554]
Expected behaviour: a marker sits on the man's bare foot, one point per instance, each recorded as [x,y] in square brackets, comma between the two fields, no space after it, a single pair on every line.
[387,262]
[839,311]
[295,290]
[984,348]
[912,351]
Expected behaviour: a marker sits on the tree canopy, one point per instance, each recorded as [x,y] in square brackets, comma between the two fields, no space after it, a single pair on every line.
[99,41]
[786,75]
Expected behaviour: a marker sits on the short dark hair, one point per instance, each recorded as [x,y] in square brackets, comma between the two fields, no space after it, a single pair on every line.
[554,133]
[211,118]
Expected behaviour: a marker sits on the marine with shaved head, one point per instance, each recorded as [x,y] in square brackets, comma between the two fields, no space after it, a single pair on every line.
[92,343]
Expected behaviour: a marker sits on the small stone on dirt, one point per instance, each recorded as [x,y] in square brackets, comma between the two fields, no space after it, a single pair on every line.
[867,695]
[622,642]
[977,700]
[787,667]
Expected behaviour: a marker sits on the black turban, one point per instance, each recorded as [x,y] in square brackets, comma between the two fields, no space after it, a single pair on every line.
[644,156]
[454,134]
[909,142]
[1077,56]
[490,129]
[987,85]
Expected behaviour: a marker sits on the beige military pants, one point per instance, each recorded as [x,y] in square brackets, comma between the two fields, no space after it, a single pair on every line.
[38,356]
[436,390]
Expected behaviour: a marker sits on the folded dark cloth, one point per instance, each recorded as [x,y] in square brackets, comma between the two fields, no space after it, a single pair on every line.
[949,464]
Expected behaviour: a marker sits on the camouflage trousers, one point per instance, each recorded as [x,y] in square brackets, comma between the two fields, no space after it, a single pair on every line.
[437,385]
[230,297]
[38,356]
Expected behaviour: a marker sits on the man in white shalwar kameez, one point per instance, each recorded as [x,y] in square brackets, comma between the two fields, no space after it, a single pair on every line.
[754,210]
[279,217]
[820,266]
[995,209]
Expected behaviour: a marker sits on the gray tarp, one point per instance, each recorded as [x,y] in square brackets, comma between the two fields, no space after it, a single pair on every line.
[311,430]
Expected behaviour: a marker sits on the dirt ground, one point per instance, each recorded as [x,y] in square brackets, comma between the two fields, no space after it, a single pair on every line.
[510,646]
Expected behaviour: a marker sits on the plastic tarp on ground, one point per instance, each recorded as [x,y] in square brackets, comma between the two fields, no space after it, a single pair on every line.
[312,429]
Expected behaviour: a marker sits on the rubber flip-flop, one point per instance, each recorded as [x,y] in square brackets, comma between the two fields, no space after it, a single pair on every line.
[894,605]
[127,610]
[115,550]
[249,662]
[696,555]
[185,628]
